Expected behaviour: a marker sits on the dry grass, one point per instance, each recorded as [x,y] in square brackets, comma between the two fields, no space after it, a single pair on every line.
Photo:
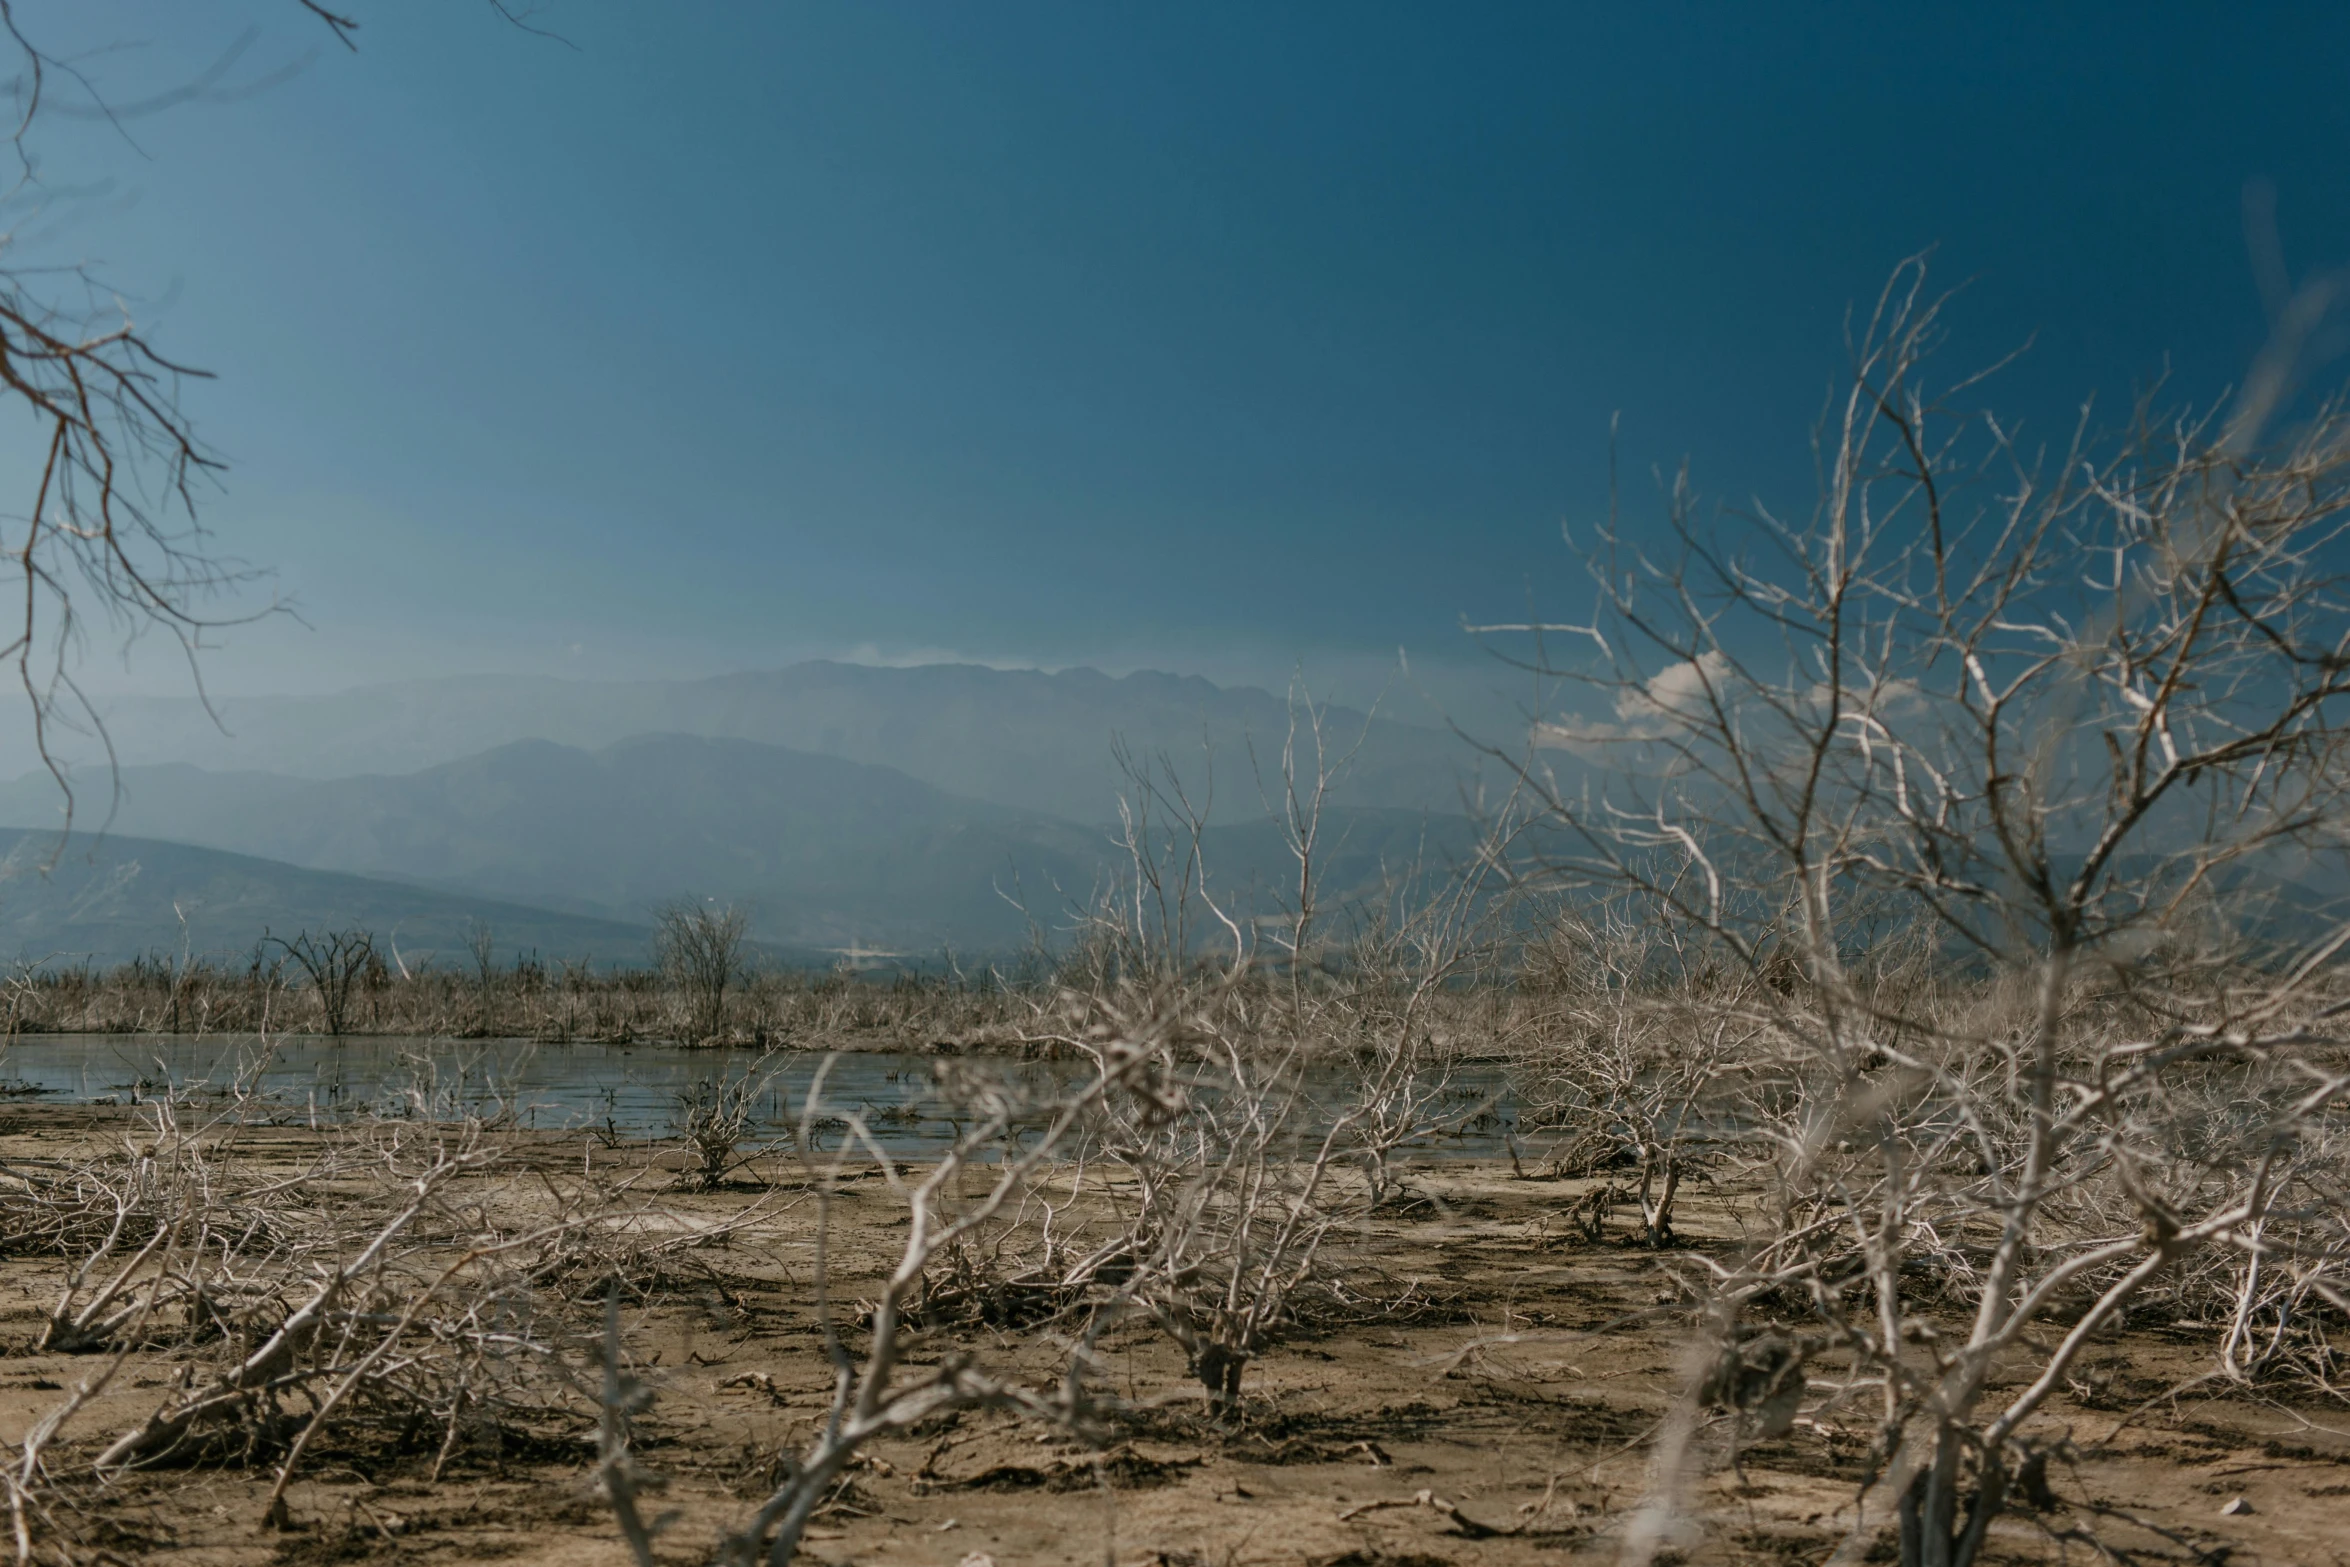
[523,999]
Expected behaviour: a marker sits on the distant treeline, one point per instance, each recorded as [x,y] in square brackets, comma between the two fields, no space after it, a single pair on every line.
[707,990]
[707,983]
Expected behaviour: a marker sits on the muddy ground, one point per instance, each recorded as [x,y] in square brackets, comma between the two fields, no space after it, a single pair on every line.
[1491,1404]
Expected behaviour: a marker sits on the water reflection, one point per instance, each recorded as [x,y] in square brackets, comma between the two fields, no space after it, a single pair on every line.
[625,1090]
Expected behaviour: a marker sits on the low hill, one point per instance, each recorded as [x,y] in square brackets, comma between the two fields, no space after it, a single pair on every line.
[829,853]
[108,900]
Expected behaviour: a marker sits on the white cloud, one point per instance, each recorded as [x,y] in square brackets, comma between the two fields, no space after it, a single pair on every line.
[872,653]
[1665,704]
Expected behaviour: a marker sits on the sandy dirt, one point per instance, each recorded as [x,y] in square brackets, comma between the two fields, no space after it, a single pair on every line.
[1493,1405]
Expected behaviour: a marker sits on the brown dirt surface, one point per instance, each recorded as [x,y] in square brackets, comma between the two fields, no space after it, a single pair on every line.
[1492,1402]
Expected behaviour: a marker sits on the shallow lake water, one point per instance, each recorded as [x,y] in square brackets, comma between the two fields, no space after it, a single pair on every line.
[633,1090]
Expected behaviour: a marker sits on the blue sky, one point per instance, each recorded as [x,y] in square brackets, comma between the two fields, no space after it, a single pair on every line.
[1204,337]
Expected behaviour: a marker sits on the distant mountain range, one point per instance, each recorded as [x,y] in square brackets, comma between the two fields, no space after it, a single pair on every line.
[1024,739]
[111,900]
[828,854]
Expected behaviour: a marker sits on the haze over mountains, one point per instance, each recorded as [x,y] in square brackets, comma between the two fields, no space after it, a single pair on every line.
[922,809]
[117,899]
[1022,738]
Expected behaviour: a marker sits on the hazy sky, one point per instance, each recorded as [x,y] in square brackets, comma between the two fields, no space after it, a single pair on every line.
[1202,336]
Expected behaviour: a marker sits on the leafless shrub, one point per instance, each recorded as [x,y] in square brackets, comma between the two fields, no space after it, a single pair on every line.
[376,1278]
[1207,1188]
[1296,1065]
[335,962]
[717,1115]
[2073,739]
[700,949]
[1298,802]
[1233,1193]
[878,1392]
[481,945]
[1040,1260]
[1641,1075]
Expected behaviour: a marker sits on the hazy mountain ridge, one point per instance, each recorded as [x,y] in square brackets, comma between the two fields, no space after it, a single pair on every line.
[848,805]
[1021,738]
[828,854]
[108,900]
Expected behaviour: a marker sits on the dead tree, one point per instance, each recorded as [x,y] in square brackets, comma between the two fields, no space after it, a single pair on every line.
[335,961]
[2075,731]
[700,951]
[111,531]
